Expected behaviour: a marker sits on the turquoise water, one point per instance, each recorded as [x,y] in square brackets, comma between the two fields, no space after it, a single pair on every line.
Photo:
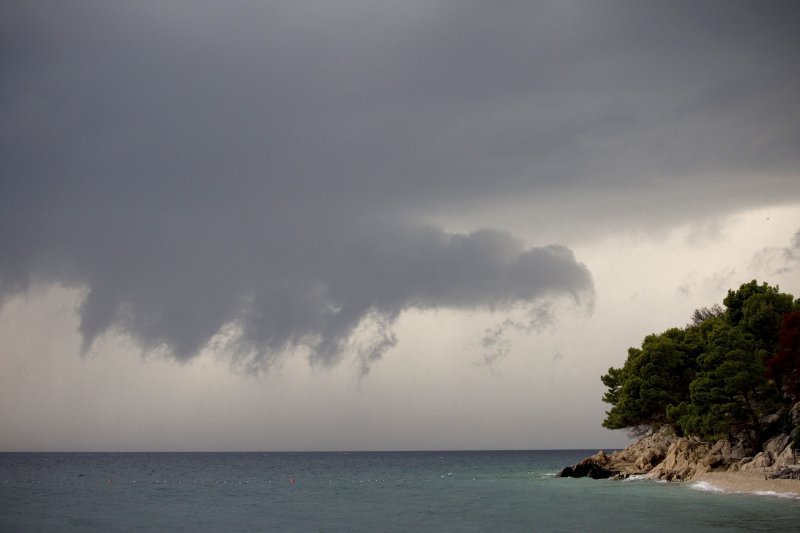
[369,491]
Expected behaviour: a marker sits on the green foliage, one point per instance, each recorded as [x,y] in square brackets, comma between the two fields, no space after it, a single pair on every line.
[652,377]
[711,378]
[730,391]
[758,309]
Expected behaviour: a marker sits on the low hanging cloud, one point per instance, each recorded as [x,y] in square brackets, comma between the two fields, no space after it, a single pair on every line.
[179,289]
[264,177]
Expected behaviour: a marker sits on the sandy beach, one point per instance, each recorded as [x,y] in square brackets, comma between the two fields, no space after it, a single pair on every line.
[749,481]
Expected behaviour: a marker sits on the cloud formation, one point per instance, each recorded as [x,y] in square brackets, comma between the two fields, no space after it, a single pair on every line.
[270,172]
[775,260]
[495,342]
[177,276]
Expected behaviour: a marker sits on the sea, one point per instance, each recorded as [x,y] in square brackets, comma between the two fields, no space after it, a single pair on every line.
[359,491]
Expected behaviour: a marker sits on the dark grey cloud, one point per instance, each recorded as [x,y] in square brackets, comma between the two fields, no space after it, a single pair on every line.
[274,167]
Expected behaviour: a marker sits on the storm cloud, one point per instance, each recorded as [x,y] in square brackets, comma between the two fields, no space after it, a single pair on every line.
[272,173]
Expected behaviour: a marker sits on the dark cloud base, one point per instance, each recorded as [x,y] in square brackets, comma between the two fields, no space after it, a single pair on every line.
[342,299]
[272,169]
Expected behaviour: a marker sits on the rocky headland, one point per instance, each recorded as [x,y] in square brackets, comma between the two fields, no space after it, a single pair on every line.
[719,397]
[663,455]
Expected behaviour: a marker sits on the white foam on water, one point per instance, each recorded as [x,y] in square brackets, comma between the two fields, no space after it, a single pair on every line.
[636,477]
[706,486]
[788,495]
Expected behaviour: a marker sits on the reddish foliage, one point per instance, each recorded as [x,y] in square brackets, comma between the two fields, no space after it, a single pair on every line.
[784,366]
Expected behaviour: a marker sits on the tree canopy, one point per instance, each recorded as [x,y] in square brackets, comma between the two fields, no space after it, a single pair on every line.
[716,377]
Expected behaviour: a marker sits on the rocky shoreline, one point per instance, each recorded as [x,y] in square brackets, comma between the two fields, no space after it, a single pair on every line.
[663,455]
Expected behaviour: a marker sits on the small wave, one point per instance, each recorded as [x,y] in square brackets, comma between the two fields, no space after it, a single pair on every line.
[706,486]
[636,477]
[788,495]
[548,475]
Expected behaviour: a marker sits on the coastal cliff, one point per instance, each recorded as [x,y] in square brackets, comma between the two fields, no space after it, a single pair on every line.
[666,456]
[720,395]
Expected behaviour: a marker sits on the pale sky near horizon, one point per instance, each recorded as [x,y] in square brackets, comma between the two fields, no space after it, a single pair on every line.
[358,226]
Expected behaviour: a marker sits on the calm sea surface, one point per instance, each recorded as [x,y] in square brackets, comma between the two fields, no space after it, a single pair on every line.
[374,491]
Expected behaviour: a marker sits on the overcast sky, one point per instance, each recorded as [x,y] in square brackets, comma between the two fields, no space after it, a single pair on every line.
[358,225]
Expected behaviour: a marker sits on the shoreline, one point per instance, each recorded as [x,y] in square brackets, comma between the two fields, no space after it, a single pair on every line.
[747,482]
[704,466]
